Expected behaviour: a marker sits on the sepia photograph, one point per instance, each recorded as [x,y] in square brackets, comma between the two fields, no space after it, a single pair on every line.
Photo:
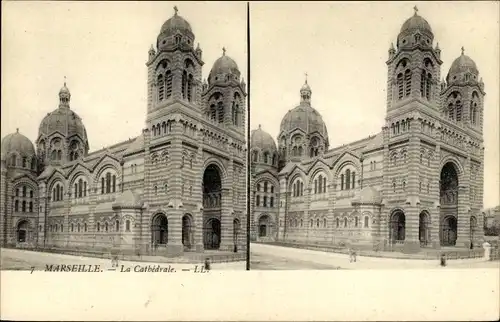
[250,161]
[374,135]
[123,136]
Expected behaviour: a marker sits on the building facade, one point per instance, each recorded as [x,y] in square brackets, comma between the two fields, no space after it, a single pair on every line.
[178,186]
[416,184]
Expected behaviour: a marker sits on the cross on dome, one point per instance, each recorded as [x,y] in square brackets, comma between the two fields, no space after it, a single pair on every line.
[176,10]
[463,50]
[306,76]
[223,51]
[64,80]
[416,10]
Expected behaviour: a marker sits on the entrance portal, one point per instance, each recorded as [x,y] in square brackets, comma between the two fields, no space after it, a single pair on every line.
[186,232]
[212,237]
[22,231]
[159,230]
[449,234]
[397,227]
[263,226]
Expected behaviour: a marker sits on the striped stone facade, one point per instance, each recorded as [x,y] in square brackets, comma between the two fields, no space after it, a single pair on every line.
[179,186]
[416,184]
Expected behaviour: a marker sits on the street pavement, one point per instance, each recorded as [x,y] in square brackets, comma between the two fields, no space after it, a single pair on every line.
[18,259]
[266,257]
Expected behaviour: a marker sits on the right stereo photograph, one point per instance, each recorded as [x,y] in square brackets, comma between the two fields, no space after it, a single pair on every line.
[373,142]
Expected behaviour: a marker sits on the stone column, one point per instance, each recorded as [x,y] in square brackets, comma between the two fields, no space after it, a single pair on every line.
[412,243]
[305,214]
[332,198]
[386,191]
[226,221]
[198,219]
[175,213]
[435,224]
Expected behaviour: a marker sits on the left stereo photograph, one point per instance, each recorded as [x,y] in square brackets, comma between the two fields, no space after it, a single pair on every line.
[124,145]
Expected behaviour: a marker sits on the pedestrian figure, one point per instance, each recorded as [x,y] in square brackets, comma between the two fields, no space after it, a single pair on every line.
[350,255]
[354,254]
[443,259]
[207,263]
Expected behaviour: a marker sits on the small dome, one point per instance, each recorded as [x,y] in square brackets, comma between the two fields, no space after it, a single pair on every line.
[224,65]
[175,25]
[463,64]
[305,118]
[368,195]
[16,142]
[64,90]
[262,140]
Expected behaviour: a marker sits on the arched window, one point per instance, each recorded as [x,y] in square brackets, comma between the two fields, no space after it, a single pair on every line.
[347,179]
[13,160]
[367,219]
[320,183]
[85,188]
[184,84]
[345,222]
[265,186]
[31,206]
[324,222]
[114,183]
[78,227]
[102,185]
[272,189]
[24,162]
[311,223]
[117,225]
[407,82]
[16,205]
[108,182]
[271,202]
[98,226]
[258,186]
[264,201]
[356,221]
[220,112]
[80,188]
[85,227]
[161,88]
[168,77]
[315,186]
[317,222]
[127,225]
[71,227]
[353,185]
[190,88]
[106,226]
[400,86]
[342,182]
[257,200]
[24,191]
[324,185]
[75,193]
[337,222]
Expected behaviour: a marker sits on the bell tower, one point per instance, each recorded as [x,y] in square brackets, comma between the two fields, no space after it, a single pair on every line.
[174,67]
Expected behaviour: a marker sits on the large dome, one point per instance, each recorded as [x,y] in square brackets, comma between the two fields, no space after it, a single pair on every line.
[305,118]
[176,25]
[415,31]
[262,140]
[65,121]
[17,143]
[463,64]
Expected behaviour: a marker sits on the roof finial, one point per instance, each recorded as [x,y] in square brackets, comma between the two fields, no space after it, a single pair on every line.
[463,50]
[306,76]
[175,9]
[17,130]
[416,10]
[259,126]
[64,81]
[223,51]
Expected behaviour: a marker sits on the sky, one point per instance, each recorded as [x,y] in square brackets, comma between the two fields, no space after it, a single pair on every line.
[102,49]
[343,48]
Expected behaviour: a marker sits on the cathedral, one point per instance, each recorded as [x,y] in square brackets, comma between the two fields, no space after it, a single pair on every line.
[179,186]
[417,184]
